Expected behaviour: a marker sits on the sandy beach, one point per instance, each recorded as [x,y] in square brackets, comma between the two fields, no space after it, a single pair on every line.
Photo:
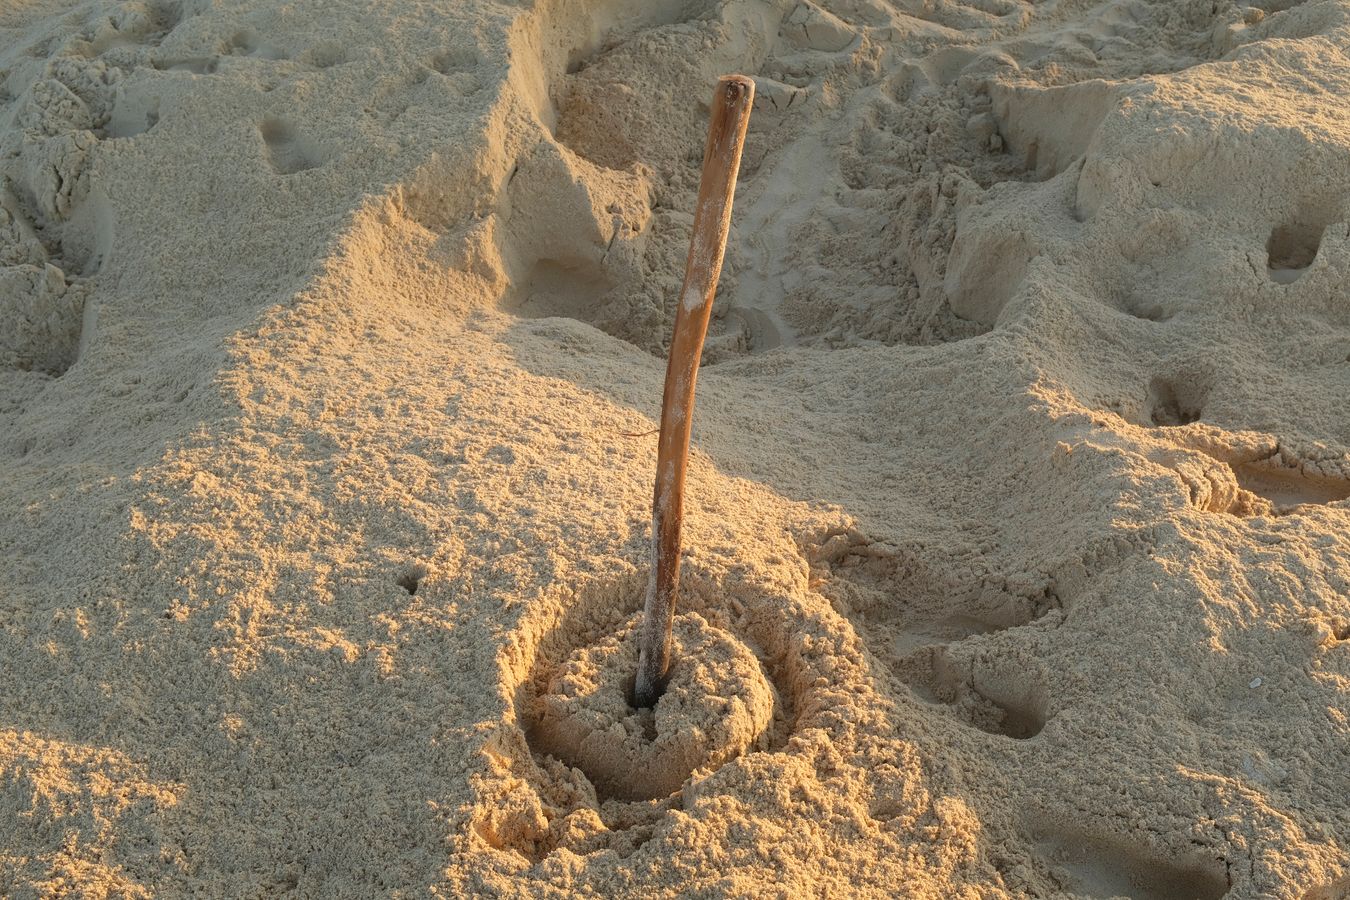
[1017,534]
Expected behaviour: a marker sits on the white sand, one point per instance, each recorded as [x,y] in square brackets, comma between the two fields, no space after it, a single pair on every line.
[1018,504]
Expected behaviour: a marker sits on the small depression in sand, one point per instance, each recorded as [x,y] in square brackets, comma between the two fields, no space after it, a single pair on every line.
[718,704]
[1116,866]
[1288,489]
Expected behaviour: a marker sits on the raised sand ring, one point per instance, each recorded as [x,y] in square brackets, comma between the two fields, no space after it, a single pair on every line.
[754,667]
[735,687]
[718,704]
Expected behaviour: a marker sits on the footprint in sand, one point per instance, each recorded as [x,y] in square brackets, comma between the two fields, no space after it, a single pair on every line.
[914,622]
[1112,867]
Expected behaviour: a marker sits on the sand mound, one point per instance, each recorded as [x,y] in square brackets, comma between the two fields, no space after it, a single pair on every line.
[1017,558]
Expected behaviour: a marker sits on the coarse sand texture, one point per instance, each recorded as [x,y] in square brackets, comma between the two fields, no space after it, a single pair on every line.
[1017,522]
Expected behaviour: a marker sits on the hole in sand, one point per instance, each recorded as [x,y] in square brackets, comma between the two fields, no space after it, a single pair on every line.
[1291,249]
[1015,720]
[287,152]
[241,43]
[411,578]
[1175,401]
[325,55]
[1148,309]
[576,61]
[1288,489]
[1293,244]
[998,698]
[457,59]
[167,16]
[248,43]
[1109,867]
[572,289]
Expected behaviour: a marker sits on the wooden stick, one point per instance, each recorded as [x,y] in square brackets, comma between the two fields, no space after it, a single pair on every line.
[712,220]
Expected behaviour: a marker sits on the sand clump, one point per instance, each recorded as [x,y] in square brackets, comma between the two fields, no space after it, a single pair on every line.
[1018,498]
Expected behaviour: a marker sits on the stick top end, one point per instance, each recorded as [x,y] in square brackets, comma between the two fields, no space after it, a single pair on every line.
[736,89]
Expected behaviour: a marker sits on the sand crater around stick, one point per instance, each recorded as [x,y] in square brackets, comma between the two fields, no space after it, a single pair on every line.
[718,704]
